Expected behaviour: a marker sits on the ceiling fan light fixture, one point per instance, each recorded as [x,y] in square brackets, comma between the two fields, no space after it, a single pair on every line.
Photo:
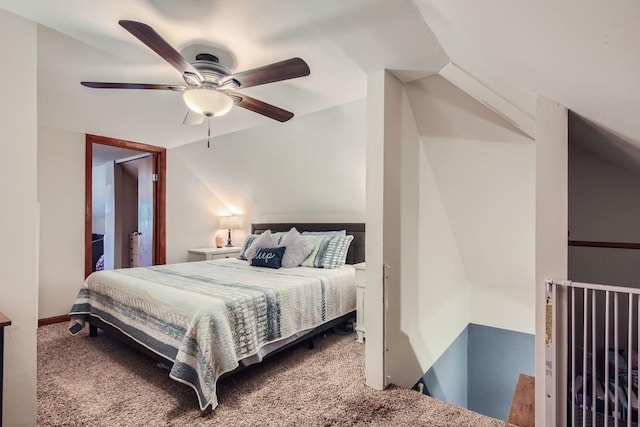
[209,102]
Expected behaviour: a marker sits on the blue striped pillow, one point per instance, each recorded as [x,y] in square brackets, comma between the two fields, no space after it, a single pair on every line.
[247,243]
[328,251]
[335,254]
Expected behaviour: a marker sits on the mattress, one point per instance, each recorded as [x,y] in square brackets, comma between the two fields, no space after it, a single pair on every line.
[208,316]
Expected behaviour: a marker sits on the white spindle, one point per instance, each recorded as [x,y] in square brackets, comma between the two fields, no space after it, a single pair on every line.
[573,357]
[594,369]
[629,344]
[616,401]
[585,310]
[606,359]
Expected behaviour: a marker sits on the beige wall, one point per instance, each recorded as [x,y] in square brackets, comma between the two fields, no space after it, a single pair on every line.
[484,170]
[604,201]
[191,211]
[18,224]
[61,196]
[604,205]
[428,290]
[456,217]
[311,168]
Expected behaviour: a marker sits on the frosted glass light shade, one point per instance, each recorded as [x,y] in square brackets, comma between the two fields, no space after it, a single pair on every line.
[209,102]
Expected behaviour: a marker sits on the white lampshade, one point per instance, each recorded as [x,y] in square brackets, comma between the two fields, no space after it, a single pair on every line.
[206,101]
[229,222]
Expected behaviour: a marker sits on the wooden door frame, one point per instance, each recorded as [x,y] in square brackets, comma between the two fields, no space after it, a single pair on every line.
[159,240]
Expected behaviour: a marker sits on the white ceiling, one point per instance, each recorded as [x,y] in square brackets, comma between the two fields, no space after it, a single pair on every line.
[341,41]
[581,53]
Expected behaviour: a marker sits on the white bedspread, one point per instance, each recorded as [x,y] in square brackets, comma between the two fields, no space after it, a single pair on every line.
[207,316]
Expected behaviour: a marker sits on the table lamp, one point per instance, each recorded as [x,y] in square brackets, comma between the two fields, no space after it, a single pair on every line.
[229,222]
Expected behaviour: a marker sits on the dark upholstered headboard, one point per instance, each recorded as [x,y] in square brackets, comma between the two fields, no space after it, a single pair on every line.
[357,230]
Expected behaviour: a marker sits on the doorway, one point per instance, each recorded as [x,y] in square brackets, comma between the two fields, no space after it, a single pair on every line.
[142,207]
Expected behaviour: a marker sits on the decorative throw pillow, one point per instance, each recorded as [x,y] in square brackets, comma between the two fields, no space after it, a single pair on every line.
[317,253]
[336,251]
[298,248]
[268,257]
[278,235]
[247,243]
[264,240]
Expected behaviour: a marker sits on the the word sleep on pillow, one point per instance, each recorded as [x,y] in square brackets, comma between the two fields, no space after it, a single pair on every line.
[268,257]
[264,240]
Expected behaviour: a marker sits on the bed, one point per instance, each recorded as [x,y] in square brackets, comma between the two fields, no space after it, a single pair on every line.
[210,318]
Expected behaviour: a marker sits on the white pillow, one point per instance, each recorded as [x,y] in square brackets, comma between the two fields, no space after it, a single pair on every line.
[264,240]
[298,248]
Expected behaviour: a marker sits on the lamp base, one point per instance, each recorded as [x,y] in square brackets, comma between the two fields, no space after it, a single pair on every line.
[229,245]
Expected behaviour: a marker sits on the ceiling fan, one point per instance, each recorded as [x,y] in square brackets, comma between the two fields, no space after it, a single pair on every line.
[210,86]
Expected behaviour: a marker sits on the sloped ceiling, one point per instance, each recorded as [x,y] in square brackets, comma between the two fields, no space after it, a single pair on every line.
[582,54]
[341,41]
[616,149]
[314,168]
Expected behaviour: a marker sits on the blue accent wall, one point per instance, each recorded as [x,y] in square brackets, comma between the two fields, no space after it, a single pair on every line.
[496,359]
[480,369]
[447,378]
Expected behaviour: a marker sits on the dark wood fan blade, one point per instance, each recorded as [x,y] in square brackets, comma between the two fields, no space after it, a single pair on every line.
[99,85]
[283,70]
[148,36]
[261,107]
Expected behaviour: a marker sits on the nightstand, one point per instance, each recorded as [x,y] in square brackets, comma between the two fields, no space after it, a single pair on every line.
[360,288]
[202,254]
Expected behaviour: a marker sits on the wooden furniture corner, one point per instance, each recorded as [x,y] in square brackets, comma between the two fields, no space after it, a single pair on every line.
[205,254]
[523,411]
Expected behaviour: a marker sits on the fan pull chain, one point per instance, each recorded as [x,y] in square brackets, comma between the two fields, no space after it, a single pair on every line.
[208,131]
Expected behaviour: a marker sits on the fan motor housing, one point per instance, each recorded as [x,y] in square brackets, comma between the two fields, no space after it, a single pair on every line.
[211,70]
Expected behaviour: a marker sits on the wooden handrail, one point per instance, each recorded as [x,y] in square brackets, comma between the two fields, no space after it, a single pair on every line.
[4,321]
[612,245]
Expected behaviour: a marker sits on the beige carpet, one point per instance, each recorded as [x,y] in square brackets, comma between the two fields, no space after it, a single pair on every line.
[86,381]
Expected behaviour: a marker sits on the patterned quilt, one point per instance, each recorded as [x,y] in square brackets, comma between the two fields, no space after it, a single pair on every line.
[206,316]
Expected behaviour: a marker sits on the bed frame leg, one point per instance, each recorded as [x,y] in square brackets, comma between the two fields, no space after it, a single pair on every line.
[310,344]
[93,331]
